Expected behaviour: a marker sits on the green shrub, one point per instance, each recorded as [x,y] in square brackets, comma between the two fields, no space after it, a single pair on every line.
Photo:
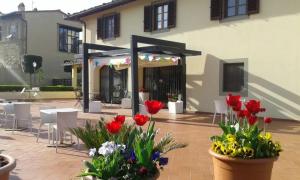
[10,88]
[57,88]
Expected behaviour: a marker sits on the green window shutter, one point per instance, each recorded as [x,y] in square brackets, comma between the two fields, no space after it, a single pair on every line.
[253,6]
[100,28]
[148,18]
[216,9]
[117,25]
[172,7]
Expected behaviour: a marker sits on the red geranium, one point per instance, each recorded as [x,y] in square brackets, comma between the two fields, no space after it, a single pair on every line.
[252,119]
[253,106]
[267,120]
[153,106]
[120,119]
[113,127]
[140,119]
[234,102]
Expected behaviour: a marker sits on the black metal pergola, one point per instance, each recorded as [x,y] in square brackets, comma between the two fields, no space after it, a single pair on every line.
[155,46]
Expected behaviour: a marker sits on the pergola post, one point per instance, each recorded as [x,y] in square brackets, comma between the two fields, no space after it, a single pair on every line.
[183,80]
[85,78]
[74,76]
[134,76]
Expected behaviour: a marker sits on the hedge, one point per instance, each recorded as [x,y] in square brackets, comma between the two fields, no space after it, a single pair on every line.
[18,88]
[57,88]
[10,88]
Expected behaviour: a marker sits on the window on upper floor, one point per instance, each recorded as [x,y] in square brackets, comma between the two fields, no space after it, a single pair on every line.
[108,26]
[222,9]
[233,77]
[12,30]
[68,39]
[160,15]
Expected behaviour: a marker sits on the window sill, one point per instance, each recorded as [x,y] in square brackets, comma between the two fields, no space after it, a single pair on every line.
[109,39]
[161,31]
[234,18]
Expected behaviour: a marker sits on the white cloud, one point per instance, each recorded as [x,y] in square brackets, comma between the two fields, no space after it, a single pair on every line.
[68,6]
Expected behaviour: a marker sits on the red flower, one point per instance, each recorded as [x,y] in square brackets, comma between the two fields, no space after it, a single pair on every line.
[113,127]
[153,106]
[143,170]
[120,119]
[234,102]
[140,119]
[267,120]
[243,113]
[253,106]
[252,120]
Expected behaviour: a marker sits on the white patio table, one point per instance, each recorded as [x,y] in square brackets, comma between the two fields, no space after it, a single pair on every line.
[53,112]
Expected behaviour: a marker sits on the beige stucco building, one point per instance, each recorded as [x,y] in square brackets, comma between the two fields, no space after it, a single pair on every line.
[36,32]
[262,39]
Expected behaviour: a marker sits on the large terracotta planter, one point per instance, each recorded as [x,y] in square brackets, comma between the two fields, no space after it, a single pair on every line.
[226,168]
[5,170]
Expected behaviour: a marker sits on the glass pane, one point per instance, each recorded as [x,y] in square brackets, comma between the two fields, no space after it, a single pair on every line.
[231,3]
[242,2]
[159,17]
[165,24]
[242,10]
[231,12]
[73,33]
[159,25]
[69,47]
[166,8]
[165,16]
[159,9]
[69,33]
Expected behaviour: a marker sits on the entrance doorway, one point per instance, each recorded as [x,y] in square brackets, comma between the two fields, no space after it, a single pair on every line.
[113,84]
[163,82]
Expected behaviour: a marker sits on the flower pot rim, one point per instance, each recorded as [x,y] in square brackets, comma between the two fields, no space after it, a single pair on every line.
[8,167]
[240,160]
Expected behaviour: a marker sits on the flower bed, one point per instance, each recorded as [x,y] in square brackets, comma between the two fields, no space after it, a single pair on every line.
[126,151]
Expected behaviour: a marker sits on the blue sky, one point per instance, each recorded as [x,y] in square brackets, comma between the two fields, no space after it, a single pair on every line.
[68,6]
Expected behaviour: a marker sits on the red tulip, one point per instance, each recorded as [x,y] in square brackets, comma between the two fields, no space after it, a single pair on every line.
[120,119]
[114,127]
[140,119]
[253,106]
[153,106]
[243,113]
[267,120]
[252,120]
[234,102]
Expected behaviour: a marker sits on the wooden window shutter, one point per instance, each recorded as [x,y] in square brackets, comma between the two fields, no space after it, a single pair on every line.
[216,9]
[100,28]
[148,18]
[172,14]
[117,25]
[253,6]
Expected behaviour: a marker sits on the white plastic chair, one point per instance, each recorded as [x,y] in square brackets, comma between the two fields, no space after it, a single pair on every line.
[65,121]
[48,120]
[221,108]
[8,112]
[22,113]
[126,103]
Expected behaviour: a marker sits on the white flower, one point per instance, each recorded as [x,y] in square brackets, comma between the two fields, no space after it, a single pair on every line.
[92,152]
[108,148]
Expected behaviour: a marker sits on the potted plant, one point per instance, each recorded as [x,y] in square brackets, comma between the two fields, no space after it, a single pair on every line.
[243,150]
[126,151]
[7,164]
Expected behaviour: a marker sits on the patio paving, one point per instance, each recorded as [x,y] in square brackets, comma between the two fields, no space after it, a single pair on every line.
[36,161]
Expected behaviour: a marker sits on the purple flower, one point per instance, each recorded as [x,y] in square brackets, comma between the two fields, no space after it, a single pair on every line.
[155,155]
[163,161]
[132,155]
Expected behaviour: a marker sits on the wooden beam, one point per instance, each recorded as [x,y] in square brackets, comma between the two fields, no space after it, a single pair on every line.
[134,75]
[85,78]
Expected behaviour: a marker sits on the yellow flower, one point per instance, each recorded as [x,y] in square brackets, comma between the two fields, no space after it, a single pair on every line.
[234,145]
[268,136]
[249,152]
[277,147]
[230,138]
[234,153]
